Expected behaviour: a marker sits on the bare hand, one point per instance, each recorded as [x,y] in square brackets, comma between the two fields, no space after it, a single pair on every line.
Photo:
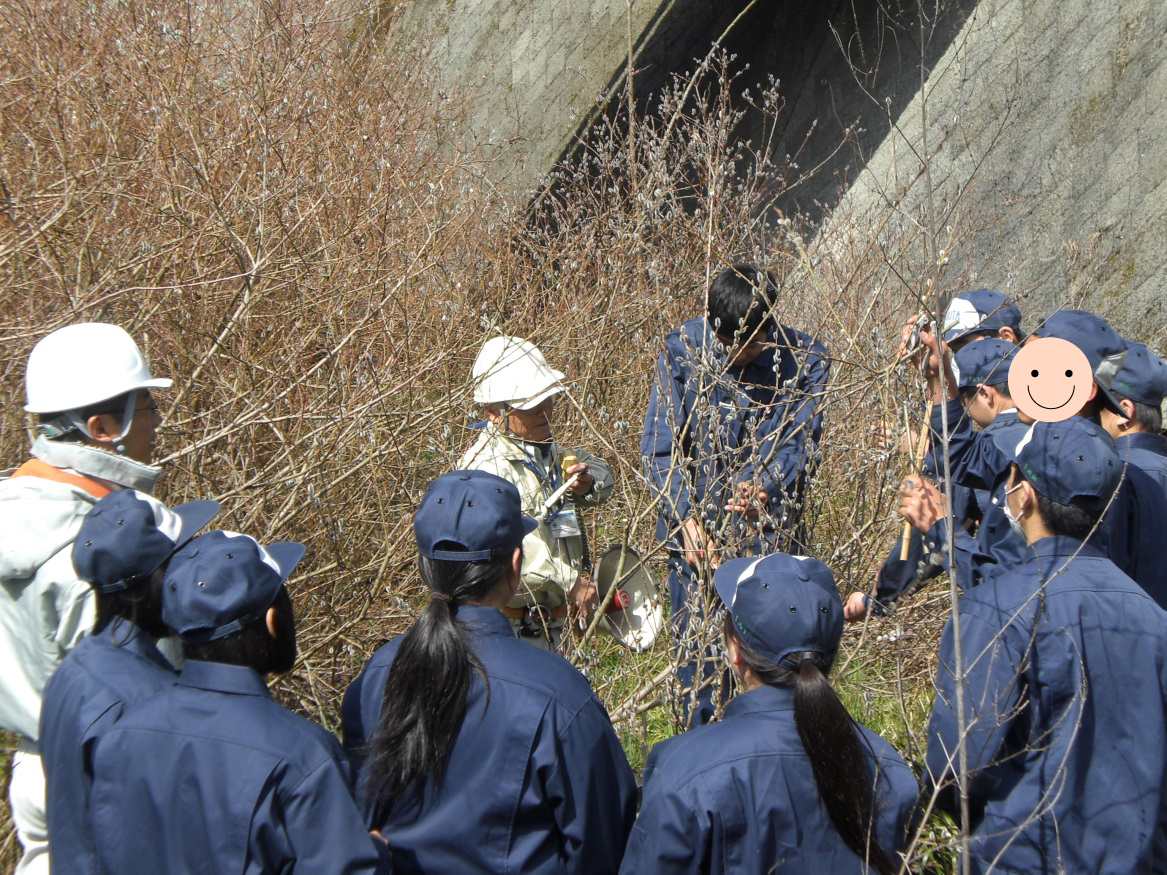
[377,837]
[697,547]
[582,596]
[921,503]
[586,481]
[749,499]
[855,608]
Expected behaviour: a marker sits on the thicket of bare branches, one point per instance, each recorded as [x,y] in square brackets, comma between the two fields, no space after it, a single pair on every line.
[276,205]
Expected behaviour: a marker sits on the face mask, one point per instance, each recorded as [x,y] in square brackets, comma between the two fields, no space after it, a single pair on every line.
[1014,522]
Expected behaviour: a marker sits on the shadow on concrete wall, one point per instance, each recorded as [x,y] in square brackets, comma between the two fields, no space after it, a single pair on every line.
[847,69]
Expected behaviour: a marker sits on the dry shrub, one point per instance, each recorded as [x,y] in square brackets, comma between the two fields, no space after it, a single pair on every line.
[277,206]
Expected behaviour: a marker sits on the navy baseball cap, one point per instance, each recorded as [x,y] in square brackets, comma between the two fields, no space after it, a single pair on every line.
[981,310]
[782,604]
[222,581]
[1071,462]
[476,510]
[128,535]
[1142,377]
[984,361]
[1101,344]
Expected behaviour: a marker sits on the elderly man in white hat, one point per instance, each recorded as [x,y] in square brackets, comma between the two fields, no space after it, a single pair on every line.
[517,389]
[89,386]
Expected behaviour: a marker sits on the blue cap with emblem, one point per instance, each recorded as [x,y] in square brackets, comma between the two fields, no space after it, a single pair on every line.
[1142,377]
[128,535]
[984,362]
[474,511]
[1072,462]
[222,581]
[782,604]
[981,310]
[1104,349]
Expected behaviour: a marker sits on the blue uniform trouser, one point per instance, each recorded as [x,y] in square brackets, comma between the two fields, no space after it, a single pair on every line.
[697,643]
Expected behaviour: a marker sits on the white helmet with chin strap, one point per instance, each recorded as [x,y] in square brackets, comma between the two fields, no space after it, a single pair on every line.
[81,365]
[511,371]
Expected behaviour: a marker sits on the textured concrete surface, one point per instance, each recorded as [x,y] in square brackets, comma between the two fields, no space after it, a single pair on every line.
[537,69]
[1046,118]
[1049,121]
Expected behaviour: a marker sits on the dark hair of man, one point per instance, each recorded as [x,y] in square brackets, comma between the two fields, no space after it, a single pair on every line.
[1147,417]
[140,603]
[741,300]
[253,646]
[1067,519]
[425,694]
[968,393]
[115,407]
[832,745]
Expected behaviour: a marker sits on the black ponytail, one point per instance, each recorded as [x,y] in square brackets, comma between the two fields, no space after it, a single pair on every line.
[425,693]
[140,603]
[832,745]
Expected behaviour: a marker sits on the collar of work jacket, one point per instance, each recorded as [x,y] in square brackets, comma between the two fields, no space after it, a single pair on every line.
[482,620]
[1141,440]
[218,677]
[510,447]
[759,699]
[127,637]
[97,463]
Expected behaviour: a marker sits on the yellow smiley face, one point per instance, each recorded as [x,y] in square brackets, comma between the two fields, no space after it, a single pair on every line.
[1050,379]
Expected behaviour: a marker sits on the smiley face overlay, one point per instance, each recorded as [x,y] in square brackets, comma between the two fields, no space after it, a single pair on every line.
[1050,379]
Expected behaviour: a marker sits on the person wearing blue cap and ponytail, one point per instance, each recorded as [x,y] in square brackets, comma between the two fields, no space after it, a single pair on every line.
[477,752]
[121,549]
[787,781]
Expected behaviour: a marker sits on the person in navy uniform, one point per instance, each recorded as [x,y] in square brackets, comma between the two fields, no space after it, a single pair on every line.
[211,774]
[1063,678]
[982,375]
[730,435]
[475,751]
[1140,386]
[787,781]
[121,549]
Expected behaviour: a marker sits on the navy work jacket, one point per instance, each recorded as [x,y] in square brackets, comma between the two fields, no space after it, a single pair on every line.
[710,426]
[978,461]
[535,782]
[739,796]
[212,775]
[105,673]
[1065,694]
[1146,451]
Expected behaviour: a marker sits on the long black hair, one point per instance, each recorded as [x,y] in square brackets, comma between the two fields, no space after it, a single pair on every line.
[140,603]
[831,743]
[425,693]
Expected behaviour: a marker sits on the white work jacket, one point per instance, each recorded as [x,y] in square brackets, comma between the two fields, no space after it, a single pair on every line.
[44,609]
[550,564]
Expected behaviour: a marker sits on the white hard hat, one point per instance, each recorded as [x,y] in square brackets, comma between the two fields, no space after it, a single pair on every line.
[512,371]
[83,364]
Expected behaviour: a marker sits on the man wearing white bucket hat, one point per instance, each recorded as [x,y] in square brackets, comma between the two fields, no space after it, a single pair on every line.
[517,388]
[89,386]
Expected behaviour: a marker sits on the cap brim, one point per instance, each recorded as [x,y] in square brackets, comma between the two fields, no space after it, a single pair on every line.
[287,555]
[195,515]
[535,400]
[727,575]
[529,525]
[1109,400]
